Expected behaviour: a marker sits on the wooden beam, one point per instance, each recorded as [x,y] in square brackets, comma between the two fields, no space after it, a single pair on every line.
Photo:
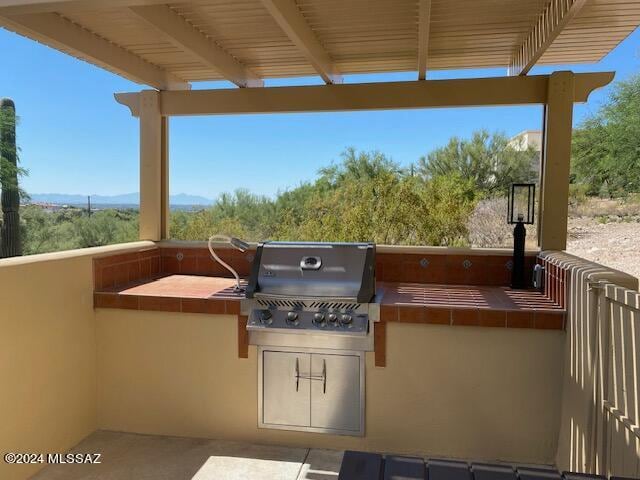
[185,36]
[550,24]
[369,96]
[23,7]
[22,3]
[60,33]
[424,23]
[287,15]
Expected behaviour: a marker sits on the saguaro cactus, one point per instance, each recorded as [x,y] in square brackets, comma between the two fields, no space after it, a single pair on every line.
[10,232]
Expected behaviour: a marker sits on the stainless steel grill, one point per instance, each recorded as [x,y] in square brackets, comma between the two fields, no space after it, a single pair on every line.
[311,308]
[312,295]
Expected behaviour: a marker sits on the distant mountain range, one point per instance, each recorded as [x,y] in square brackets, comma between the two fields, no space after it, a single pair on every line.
[124,199]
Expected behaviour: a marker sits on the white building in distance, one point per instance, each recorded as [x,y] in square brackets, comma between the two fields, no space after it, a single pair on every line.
[526,139]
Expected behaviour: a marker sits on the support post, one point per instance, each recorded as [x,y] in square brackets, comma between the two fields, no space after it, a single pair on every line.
[165,206]
[151,162]
[556,157]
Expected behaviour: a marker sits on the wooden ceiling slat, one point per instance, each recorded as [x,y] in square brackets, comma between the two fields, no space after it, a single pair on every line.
[359,35]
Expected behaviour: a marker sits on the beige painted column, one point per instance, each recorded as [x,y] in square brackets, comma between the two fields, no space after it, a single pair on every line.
[554,177]
[152,157]
[164,193]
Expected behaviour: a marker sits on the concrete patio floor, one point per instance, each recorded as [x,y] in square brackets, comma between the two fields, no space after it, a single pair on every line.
[127,456]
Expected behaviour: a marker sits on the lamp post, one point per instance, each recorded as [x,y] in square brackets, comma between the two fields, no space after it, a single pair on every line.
[520,212]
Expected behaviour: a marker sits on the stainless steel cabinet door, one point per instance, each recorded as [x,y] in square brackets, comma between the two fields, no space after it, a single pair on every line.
[286,396]
[335,402]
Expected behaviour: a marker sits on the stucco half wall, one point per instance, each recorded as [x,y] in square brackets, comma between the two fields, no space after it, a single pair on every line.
[48,376]
[67,370]
[477,393]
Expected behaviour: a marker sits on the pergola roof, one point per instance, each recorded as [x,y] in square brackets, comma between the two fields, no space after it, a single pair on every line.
[245,41]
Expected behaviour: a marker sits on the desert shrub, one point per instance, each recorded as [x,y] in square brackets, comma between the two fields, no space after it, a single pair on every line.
[627,207]
[364,197]
[488,225]
[66,229]
[578,194]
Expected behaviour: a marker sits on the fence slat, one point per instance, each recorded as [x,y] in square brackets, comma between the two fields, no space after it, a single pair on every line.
[621,403]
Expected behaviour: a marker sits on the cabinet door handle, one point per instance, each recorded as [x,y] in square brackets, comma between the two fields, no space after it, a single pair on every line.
[297,374]
[322,378]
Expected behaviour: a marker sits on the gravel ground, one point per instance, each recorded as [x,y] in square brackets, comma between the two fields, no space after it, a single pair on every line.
[614,244]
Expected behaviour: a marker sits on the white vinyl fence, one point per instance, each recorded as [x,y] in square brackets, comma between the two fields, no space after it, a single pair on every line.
[617,434]
[599,430]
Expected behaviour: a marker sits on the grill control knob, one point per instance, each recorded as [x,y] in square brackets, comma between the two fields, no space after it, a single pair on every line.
[332,317]
[292,318]
[346,319]
[318,319]
[266,317]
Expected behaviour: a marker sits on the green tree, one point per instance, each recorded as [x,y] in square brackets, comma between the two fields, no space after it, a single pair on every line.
[364,197]
[358,166]
[606,146]
[104,227]
[368,197]
[240,214]
[490,161]
[40,233]
[447,202]
[69,228]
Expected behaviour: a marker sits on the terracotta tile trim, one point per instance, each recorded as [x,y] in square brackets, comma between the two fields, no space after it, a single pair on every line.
[243,337]
[452,268]
[211,306]
[477,317]
[114,270]
[380,343]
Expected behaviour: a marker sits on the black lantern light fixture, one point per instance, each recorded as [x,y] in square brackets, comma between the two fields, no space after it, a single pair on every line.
[520,212]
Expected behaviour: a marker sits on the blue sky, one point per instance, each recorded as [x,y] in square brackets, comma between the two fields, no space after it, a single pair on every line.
[75,138]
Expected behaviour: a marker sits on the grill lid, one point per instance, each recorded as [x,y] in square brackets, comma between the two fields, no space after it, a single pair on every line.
[314,270]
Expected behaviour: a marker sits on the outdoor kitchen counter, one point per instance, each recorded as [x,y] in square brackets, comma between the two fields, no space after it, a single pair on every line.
[459,305]
[463,305]
[486,306]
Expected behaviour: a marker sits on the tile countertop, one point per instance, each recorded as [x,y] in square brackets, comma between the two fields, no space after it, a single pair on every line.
[173,293]
[402,302]
[464,305]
